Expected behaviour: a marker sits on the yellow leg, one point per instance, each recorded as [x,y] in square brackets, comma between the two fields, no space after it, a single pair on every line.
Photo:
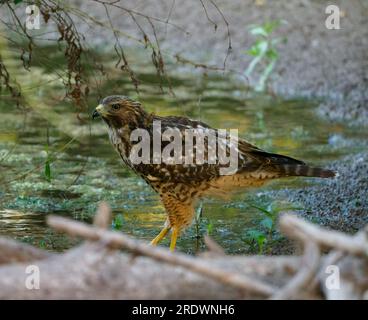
[174,236]
[160,236]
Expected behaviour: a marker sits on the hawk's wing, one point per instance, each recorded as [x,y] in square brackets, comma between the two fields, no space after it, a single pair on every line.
[249,157]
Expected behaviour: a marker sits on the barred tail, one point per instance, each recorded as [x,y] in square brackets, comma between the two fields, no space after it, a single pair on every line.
[304,171]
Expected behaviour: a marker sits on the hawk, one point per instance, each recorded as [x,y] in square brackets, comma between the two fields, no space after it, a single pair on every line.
[181,183]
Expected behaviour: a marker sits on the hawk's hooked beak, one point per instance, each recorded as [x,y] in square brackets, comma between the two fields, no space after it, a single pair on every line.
[98,111]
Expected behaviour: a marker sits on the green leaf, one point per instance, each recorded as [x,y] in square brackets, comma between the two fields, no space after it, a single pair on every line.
[265,211]
[17,1]
[272,54]
[209,228]
[261,242]
[272,25]
[267,223]
[253,51]
[257,236]
[258,31]
[117,222]
[42,244]
[254,234]
[269,27]
[261,45]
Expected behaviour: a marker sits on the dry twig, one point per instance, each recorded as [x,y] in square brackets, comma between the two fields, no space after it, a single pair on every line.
[213,247]
[309,264]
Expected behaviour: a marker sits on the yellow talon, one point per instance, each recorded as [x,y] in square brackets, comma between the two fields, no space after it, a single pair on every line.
[174,236]
[160,236]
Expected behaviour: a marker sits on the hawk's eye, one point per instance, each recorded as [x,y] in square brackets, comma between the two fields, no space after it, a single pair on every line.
[115,106]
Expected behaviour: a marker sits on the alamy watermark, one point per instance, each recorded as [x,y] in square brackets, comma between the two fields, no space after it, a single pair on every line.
[332,281]
[33,17]
[32,281]
[333,18]
[190,146]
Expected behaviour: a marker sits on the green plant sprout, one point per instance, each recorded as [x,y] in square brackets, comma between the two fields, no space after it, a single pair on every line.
[269,215]
[198,220]
[117,222]
[209,228]
[263,51]
[201,225]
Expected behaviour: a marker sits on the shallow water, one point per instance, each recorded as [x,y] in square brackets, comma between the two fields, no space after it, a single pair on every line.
[85,169]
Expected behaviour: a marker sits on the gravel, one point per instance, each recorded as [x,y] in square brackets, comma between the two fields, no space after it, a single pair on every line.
[340,203]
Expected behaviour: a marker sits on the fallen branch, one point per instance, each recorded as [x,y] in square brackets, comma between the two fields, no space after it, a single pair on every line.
[309,264]
[117,240]
[97,270]
[294,227]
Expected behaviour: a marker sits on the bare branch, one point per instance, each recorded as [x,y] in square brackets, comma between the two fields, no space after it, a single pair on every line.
[117,240]
[298,229]
[103,216]
[213,246]
[309,264]
[229,48]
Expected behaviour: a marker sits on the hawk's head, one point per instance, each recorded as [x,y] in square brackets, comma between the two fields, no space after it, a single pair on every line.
[118,111]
